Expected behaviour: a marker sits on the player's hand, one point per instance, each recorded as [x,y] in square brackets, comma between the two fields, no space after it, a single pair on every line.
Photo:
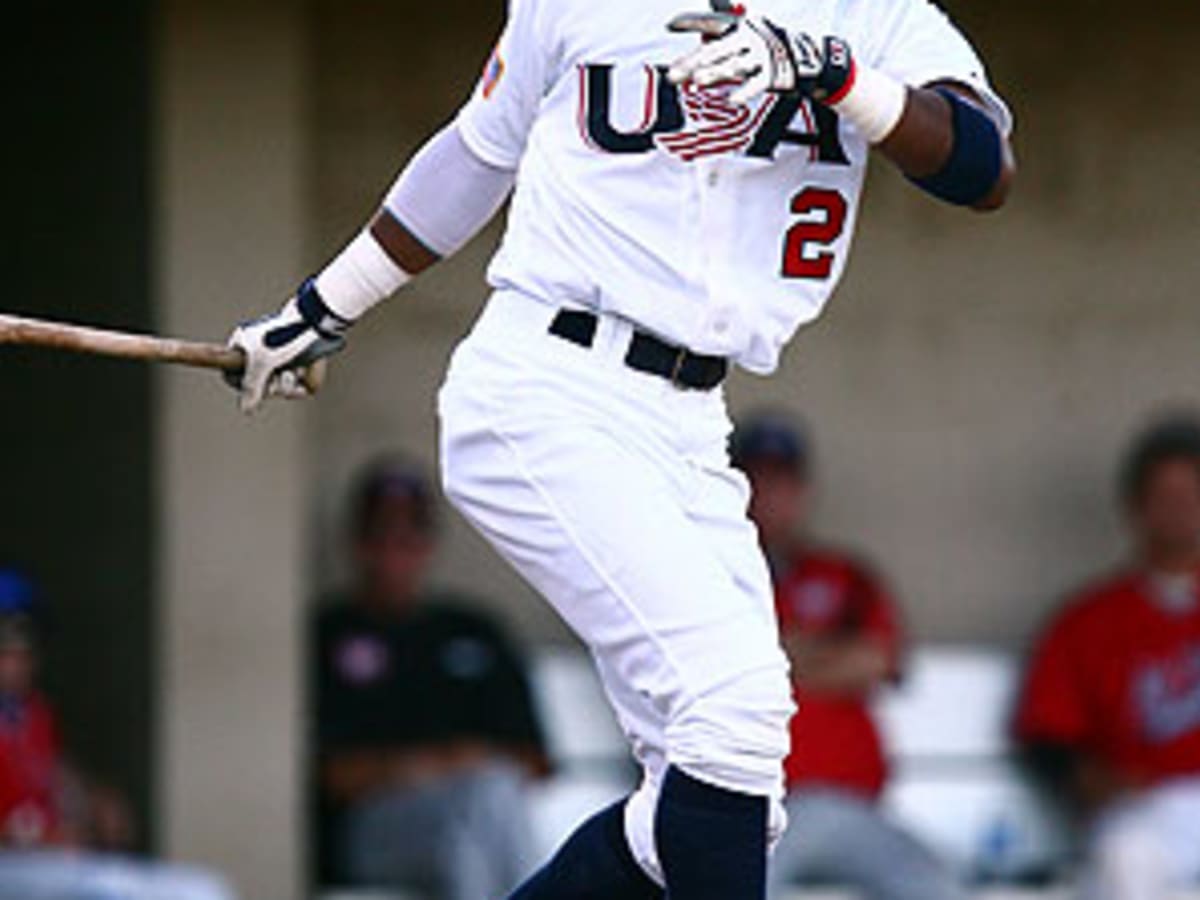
[760,57]
[280,347]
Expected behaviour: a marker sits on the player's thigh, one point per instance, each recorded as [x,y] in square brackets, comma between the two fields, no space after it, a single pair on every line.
[1153,839]
[62,876]
[602,532]
[1175,811]
[401,836]
[717,506]
[496,815]
[1126,861]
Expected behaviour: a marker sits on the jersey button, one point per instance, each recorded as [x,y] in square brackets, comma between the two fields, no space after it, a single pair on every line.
[713,179]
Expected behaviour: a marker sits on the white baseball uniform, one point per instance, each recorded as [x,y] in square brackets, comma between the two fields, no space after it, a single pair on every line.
[717,228]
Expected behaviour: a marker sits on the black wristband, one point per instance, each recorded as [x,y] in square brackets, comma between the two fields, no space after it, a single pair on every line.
[317,315]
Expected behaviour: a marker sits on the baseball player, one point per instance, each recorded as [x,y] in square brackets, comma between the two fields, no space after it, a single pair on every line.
[1110,712]
[843,633]
[684,190]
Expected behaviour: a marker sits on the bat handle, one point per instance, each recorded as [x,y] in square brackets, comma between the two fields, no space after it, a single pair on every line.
[312,376]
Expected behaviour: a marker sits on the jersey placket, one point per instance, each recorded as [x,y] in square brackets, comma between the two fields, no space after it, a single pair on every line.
[717,210]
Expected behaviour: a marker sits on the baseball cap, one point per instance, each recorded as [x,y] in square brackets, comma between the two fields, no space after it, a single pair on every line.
[391,480]
[771,436]
[17,598]
[16,593]
[1170,438]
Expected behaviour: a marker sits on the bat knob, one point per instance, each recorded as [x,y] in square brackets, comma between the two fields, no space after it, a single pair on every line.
[313,377]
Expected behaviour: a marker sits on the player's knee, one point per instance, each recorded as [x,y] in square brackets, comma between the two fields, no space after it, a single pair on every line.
[737,736]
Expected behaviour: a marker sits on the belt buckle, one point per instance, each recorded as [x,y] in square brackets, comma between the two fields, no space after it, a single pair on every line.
[677,369]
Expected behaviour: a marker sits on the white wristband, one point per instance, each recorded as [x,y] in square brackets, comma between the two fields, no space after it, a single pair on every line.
[359,277]
[875,103]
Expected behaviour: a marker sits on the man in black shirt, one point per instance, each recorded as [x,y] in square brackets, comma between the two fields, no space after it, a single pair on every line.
[426,729]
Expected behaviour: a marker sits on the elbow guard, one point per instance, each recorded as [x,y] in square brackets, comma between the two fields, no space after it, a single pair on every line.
[976,161]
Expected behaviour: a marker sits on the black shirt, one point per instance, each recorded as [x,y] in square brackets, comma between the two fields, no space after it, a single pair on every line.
[437,673]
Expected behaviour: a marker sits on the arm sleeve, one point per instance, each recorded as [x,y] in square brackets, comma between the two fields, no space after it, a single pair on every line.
[447,193]
[917,44]
[1053,707]
[880,619]
[497,119]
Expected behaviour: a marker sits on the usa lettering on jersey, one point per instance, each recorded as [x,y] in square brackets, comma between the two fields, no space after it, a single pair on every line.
[691,122]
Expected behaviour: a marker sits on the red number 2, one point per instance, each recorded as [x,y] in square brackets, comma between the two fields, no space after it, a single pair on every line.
[805,251]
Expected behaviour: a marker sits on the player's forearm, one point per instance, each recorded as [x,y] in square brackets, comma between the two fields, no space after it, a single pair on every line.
[1074,775]
[837,666]
[939,136]
[923,143]
[402,246]
[347,775]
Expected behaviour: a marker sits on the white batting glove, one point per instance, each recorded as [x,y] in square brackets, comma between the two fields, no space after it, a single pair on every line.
[280,346]
[759,56]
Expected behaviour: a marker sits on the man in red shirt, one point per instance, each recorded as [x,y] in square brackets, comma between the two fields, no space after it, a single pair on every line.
[30,773]
[58,832]
[842,633]
[1110,715]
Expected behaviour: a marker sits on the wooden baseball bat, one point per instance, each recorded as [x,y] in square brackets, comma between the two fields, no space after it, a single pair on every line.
[126,345]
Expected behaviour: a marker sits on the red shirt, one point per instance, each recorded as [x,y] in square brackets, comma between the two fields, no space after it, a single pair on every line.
[1118,674]
[834,739]
[29,765]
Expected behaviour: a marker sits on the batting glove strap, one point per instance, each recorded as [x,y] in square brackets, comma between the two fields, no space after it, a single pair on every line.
[829,74]
[837,75]
[317,315]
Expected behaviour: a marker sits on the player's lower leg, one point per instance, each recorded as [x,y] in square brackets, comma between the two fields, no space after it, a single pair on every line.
[594,864]
[712,843]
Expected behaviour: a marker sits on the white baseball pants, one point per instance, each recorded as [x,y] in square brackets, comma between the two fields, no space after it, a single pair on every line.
[1148,846]
[611,492]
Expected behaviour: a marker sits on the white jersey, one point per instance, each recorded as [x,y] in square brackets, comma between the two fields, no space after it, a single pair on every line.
[719,228]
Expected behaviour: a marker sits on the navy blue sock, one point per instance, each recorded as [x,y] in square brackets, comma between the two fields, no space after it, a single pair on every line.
[594,864]
[712,843]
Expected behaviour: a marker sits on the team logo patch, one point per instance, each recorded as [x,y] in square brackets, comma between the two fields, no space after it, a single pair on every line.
[815,602]
[1167,694]
[362,660]
[493,73]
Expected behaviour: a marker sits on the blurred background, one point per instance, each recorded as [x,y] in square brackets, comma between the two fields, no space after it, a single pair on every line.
[176,166]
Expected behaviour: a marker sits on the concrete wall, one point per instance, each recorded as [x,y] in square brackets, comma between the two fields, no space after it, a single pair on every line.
[974,379]
[232,218]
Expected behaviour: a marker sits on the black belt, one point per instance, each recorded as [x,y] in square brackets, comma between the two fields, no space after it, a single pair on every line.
[678,365]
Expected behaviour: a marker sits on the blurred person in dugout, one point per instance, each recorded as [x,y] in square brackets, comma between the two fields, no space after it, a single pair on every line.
[427,734]
[1110,712]
[842,633]
[62,836]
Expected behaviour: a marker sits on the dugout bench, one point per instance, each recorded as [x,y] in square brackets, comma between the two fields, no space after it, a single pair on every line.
[955,781]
